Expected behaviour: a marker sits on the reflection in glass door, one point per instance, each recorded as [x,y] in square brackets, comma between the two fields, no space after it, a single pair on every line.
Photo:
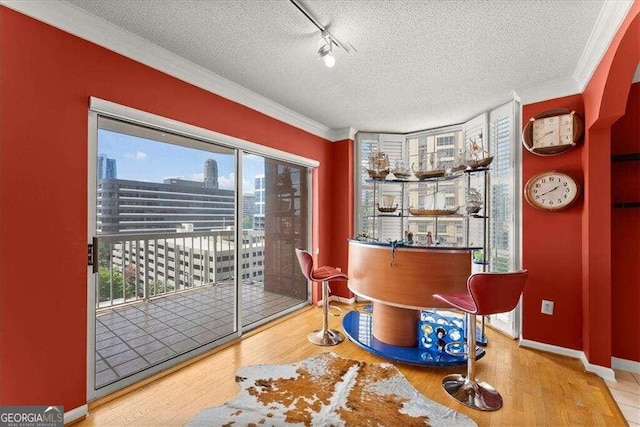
[276,221]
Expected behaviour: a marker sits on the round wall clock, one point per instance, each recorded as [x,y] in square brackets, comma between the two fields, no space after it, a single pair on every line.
[551,190]
[552,132]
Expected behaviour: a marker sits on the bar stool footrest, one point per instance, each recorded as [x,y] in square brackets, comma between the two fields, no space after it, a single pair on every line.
[337,311]
[456,348]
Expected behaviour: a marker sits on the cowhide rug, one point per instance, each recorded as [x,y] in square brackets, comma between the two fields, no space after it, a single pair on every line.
[327,390]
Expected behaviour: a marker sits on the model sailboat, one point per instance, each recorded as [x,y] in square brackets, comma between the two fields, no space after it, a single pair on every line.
[378,165]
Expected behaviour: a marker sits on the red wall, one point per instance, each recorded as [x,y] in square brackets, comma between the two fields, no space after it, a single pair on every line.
[625,234]
[552,247]
[47,78]
[342,208]
[605,101]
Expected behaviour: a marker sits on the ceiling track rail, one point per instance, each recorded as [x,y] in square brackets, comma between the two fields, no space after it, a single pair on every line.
[322,28]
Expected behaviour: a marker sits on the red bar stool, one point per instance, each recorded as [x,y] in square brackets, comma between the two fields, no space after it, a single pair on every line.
[324,336]
[488,293]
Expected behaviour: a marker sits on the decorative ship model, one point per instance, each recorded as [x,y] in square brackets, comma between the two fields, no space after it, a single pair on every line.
[434,171]
[387,204]
[434,202]
[401,171]
[378,165]
[474,201]
[479,156]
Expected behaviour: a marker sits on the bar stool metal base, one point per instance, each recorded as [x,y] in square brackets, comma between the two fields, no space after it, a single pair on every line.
[325,337]
[474,394]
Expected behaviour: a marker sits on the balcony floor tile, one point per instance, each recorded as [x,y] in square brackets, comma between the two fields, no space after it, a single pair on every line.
[183,346]
[172,339]
[149,347]
[121,358]
[113,350]
[132,338]
[157,356]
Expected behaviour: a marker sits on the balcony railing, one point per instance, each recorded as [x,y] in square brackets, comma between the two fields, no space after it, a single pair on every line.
[134,267]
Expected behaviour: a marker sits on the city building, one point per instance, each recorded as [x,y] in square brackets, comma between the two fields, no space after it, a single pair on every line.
[248,206]
[138,207]
[164,265]
[259,203]
[211,174]
[126,206]
[107,168]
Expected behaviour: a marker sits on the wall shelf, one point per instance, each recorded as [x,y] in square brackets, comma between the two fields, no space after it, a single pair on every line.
[453,189]
[456,215]
[627,205]
[628,157]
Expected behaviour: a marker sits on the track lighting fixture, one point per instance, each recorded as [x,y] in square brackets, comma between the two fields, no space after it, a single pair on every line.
[327,41]
[325,50]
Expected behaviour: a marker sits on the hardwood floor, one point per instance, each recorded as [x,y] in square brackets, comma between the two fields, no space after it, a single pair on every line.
[538,388]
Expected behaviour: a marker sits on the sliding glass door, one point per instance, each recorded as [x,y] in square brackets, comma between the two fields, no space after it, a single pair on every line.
[193,242]
[165,215]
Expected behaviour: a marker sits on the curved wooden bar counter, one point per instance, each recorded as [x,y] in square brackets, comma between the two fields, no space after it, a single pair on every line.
[401,282]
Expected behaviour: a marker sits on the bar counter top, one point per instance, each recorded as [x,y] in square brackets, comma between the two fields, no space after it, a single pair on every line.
[402,244]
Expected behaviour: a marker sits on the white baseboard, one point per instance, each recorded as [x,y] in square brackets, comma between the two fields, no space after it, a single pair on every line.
[563,351]
[343,299]
[602,371]
[625,365]
[339,299]
[77,413]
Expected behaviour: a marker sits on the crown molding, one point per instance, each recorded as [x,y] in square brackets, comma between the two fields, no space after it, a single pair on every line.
[609,20]
[342,134]
[551,90]
[82,24]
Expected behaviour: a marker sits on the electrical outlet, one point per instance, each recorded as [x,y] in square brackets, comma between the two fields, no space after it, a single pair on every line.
[547,307]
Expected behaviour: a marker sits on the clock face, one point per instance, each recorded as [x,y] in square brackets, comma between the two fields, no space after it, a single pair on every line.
[552,131]
[551,191]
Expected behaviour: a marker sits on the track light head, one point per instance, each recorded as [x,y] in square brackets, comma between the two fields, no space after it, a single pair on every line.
[325,50]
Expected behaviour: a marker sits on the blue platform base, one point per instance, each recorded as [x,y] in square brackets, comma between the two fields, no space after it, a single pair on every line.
[357,327]
[481,339]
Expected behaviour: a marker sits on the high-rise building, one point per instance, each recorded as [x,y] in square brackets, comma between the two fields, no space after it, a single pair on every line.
[259,193]
[107,167]
[248,205]
[138,207]
[211,174]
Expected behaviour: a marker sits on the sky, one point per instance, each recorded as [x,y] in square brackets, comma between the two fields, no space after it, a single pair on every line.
[142,159]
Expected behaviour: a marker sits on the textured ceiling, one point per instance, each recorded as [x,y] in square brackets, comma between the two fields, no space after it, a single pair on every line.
[419,64]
